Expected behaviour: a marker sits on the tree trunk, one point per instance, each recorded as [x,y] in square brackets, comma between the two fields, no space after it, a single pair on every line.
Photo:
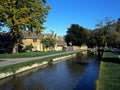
[15,49]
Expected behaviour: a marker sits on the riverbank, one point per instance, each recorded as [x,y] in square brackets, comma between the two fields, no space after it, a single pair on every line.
[67,74]
[28,54]
[12,61]
[109,76]
[24,66]
[110,55]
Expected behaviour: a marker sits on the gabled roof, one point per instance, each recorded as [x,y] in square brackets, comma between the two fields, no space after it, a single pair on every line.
[31,35]
[48,36]
[61,43]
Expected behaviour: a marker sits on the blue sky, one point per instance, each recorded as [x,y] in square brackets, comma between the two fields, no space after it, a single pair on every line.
[82,12]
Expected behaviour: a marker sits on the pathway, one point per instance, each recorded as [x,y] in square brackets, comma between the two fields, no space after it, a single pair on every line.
[11,61]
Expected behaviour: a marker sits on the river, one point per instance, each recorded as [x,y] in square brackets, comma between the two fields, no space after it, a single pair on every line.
[78,73]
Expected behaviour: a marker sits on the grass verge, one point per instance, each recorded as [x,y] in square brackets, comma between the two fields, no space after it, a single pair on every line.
[28,54]
[109,55]
[109,76]
[2,60]
[13,68]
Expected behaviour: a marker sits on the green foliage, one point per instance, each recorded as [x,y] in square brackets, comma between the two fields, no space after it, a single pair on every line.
[107,33]
[75,35]
[48,42]
[6,43]
[118,25]
[29,47]
[20,15]
[91,40]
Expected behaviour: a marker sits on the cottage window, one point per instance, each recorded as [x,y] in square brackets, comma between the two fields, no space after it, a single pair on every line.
[34,40]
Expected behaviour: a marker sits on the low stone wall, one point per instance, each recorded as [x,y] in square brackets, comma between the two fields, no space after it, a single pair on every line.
[64,57]
[83,47]
[7,74]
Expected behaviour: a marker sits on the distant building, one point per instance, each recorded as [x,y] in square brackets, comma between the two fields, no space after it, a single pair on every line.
[31,38]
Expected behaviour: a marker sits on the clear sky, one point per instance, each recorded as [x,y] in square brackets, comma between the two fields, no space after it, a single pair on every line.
[82,12]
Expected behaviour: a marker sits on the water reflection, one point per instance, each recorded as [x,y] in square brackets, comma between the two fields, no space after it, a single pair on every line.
[73,74]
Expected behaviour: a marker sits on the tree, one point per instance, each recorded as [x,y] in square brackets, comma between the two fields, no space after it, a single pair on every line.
[118,25]
[102,31]
[20,15]
[99,36]
[114,39]
[48,43]
[91,40]
[29,47]
[107,33]
[6,43]
[75,35]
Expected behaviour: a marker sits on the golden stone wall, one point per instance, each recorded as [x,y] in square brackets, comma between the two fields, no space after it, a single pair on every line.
[36,43]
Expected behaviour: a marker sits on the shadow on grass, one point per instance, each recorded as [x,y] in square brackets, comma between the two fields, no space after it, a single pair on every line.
[2,60]
[113,60]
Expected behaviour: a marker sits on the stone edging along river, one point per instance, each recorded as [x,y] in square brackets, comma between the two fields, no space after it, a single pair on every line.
[26,68]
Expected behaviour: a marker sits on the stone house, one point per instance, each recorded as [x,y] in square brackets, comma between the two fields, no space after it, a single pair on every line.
[31,38]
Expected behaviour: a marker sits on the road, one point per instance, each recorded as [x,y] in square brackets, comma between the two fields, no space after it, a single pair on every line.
[11,61]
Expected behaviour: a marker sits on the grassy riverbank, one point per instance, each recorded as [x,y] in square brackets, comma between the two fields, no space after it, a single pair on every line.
[109,55]
[109,75]
[13,68]
[1,60]
[28,54]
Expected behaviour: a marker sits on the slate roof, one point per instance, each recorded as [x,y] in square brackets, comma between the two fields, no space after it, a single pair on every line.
[61,43]
[31,35]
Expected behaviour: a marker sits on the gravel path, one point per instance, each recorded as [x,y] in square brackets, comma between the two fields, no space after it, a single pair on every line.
[11,61]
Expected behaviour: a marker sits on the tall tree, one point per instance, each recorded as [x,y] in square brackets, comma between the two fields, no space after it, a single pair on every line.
[91,40]
[75,35]
[108,32]
[103,28]
[118,25]
[20,15]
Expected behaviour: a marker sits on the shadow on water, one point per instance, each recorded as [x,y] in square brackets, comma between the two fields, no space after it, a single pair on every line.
[78,73]
[88,79]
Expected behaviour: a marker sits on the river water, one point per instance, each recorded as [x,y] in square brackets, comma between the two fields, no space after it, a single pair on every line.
[78,73]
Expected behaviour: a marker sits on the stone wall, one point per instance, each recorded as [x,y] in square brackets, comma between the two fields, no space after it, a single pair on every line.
[83,47]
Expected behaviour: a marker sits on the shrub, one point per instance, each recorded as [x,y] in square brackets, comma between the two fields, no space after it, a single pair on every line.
[29,47]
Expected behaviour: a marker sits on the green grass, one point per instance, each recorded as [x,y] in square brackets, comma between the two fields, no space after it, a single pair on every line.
[109,55]
[2,60]
[28,54]
[13,68]
[109,76]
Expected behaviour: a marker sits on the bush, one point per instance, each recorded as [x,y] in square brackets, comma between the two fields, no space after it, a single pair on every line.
[29,47]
